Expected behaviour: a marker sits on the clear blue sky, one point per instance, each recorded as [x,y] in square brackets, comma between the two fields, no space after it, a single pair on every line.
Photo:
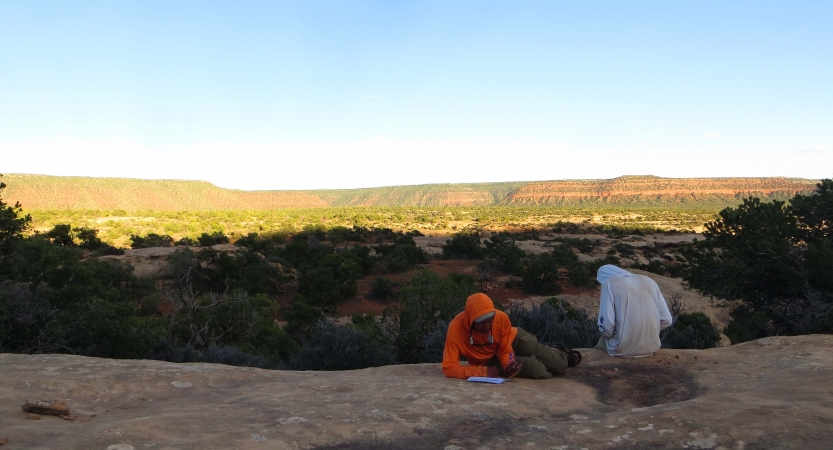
[298,95]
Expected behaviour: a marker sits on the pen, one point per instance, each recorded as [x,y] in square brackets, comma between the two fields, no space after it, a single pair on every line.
[511,360]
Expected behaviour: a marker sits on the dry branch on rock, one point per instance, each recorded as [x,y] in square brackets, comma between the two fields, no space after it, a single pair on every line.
[48,407]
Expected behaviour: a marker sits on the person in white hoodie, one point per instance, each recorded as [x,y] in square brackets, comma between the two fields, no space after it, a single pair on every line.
[632,311]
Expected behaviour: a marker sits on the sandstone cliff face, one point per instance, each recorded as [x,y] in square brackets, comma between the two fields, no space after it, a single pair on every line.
[648,188]
[45,192]
[773,393]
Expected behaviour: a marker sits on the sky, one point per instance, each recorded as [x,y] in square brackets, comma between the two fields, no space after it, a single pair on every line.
[348,94]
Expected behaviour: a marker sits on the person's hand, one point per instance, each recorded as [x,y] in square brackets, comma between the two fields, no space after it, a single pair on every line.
[492,371]
[513,368]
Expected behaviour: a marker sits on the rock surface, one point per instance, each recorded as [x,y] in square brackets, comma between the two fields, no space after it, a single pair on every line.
[154,262]
[773,393]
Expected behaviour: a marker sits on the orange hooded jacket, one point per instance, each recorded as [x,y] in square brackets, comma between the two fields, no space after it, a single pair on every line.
[458,341]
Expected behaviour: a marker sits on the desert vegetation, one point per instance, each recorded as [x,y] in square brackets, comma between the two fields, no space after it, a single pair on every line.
[771,262]
[121,229]
[271,299]
[122,208]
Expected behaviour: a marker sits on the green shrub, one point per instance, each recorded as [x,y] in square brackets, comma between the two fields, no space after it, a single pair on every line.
[747,325]
[401,255]
[300,317]
[583,245]
[213,271]
[234,319]
[618,232]
[57,302]
[187,242]
[463,245]
[107,250]
[319,231]
[382,289]
[81,237]
[557,303]
[216,354]
[593,266]
[326,276]
[581,276]
[151,240]
[207,240]
[770,258]
[12,223]
[554,325]
[654,266]
[690,330]
[426,300]
[361,255]
[329,280]
[502,248]
[433,344]
[541,274]
[339,234]
[624,249]
[333,347]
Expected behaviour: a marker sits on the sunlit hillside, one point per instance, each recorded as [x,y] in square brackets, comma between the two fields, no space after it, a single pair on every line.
[39,192]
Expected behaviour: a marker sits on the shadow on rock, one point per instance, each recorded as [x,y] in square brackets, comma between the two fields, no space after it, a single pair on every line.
[460,435]
[629,384]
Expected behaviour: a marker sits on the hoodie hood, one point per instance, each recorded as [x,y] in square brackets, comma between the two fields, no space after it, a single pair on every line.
[609,271]
[477,305]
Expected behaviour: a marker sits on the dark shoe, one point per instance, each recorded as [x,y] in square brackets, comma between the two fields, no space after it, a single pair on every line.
[573,356]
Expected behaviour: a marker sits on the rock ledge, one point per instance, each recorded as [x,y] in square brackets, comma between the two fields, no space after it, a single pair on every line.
[770,393]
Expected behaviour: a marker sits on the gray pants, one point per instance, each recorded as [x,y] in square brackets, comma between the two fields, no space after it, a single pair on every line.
[537,360]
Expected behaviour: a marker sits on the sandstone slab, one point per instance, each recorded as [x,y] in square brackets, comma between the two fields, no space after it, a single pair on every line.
[773,393]
[154,262]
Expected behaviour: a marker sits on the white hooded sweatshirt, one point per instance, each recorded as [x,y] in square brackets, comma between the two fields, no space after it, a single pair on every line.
[632,311]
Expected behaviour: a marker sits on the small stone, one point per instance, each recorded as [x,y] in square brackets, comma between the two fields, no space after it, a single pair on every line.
[3,441]
[69,417]
[51,407]
[31,416]
[84,419]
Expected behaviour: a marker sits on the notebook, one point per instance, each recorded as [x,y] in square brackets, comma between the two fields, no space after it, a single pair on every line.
[487,380]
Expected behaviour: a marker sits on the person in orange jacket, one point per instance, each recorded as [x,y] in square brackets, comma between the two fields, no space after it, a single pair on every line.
[493,347]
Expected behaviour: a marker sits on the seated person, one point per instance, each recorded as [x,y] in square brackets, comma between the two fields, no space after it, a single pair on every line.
[632,311]
[493,348]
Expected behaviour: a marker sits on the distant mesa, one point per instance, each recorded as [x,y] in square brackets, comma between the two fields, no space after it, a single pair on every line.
[656,190]
[41,192]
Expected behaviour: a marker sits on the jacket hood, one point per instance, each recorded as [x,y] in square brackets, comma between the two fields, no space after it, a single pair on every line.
[477,305]
[609,271]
